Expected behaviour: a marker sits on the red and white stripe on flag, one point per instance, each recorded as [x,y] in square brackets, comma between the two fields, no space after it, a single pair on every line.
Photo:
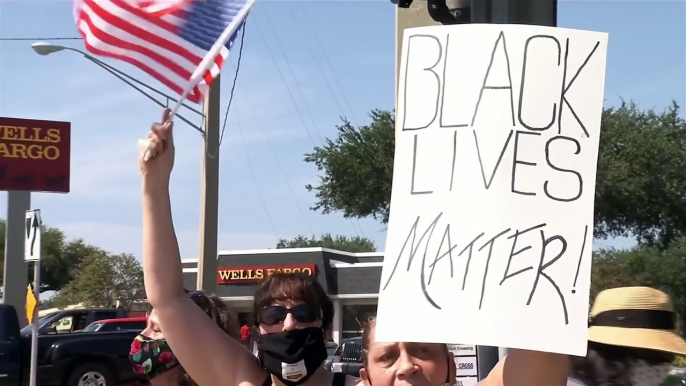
[161,7]
[159,37]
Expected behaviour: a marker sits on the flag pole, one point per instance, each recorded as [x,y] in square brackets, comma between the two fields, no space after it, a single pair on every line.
[34,324]
[144,145]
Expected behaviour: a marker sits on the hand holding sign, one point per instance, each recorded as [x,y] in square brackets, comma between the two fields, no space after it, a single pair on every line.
[491,223]
[156,154]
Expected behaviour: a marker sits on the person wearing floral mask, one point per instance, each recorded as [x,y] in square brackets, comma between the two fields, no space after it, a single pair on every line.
[632,340]
[151,355]
[292,311]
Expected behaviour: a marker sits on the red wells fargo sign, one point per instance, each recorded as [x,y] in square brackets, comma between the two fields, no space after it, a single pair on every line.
[34,155]
[245,275]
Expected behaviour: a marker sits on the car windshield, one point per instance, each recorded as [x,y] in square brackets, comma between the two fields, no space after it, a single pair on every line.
[92,327]
[27,330]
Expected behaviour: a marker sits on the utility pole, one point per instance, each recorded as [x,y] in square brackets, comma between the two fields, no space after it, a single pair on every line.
[16,274]
[422,13]
[209,192]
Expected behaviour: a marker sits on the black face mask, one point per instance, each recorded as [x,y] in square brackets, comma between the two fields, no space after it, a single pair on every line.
[292,356]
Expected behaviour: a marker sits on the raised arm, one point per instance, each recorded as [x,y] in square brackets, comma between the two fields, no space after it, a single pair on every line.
[529,368]
[206,352]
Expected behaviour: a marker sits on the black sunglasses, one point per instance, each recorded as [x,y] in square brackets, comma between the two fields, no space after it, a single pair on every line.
[302,313]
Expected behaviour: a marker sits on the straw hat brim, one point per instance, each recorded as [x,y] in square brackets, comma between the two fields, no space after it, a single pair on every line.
[660,340]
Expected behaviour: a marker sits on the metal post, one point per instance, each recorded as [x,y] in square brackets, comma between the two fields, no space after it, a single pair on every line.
[34,325]
[209,195]
[16,272]
[535,12]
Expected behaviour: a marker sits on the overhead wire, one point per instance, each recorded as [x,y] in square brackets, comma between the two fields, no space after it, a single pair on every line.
[297,85]
[314,58]
[283,79]
[233,89]
[326,60]
[239,126]
[260,127]
[290,69]
[333,93]
[19,39]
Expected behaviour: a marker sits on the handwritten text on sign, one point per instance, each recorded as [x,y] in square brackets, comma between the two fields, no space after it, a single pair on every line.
[491,222]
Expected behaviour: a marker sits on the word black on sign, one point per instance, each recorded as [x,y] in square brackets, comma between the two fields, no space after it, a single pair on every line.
[490,235]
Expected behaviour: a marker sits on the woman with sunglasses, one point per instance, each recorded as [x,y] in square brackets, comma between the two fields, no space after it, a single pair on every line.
[292,311]
[431,364]
[151,356]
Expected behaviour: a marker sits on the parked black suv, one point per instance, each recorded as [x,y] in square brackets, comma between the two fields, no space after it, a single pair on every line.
[65,357]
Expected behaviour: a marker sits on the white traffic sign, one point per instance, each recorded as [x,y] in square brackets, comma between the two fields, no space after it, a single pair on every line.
[32,241]
[462,350]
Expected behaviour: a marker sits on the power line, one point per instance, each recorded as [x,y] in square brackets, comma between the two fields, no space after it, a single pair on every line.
[283,79]
[290,69]
[335,97]
[233,88]
[326,60]
[38,39]
[260,127]
[314,58]
[252,172]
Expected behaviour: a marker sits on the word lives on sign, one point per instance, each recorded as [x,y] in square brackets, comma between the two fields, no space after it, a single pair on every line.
[32,236]
[34,155]
[491,223]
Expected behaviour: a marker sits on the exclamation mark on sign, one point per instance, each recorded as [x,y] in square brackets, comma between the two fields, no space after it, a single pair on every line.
[581,256]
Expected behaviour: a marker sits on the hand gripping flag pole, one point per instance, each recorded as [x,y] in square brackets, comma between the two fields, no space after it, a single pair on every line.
[201,73]
[181,43]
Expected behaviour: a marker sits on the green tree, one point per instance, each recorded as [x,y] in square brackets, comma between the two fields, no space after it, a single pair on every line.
[59,257]
[341,243]
[358,169]
[644,265]
[102,280]
[640,188]
[641,183]
[610,269]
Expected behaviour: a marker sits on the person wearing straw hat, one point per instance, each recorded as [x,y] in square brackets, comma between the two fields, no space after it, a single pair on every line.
[632,340]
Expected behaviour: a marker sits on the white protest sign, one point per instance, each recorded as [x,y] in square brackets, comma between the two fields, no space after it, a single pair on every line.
[491,223]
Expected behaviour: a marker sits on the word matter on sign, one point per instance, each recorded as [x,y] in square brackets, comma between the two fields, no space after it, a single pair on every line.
[491,225]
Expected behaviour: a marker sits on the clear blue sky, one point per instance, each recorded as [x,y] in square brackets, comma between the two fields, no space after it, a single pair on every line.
[262,154]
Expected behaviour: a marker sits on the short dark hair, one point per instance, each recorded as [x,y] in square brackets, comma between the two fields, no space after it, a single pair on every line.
[295,286]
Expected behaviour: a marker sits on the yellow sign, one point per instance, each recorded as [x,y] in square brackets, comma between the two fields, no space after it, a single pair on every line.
[31,304]
[33,143]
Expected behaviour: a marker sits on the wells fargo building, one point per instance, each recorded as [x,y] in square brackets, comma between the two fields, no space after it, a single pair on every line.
[350,279]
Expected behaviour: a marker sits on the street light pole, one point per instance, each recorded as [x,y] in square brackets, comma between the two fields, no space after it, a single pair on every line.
[16,274]
[44,49]
[209,196]
[206,278]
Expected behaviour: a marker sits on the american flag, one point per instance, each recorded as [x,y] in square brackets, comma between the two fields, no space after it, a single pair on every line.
[181,43]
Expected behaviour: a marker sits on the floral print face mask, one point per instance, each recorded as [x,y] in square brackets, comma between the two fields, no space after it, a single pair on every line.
[151,357]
